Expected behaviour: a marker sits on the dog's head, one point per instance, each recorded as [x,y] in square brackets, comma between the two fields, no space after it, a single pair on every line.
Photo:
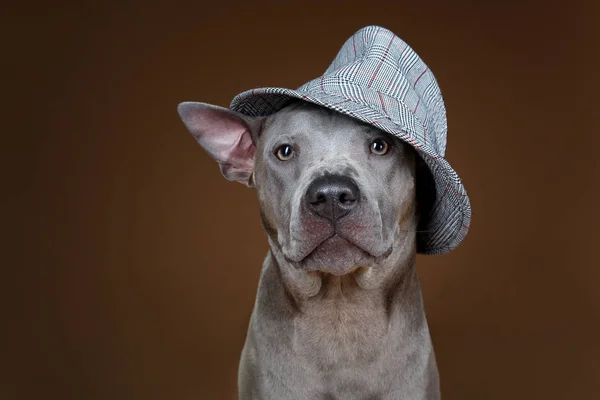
[335,194]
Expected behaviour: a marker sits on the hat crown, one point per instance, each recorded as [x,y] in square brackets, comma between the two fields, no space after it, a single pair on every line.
[378,69]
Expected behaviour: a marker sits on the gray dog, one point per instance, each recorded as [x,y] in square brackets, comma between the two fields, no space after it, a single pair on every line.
[339,313]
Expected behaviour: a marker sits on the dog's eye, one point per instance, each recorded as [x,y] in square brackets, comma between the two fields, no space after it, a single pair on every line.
[379,147]
[285,152]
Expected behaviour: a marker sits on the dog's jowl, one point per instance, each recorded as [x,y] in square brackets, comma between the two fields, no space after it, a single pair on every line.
[352,183]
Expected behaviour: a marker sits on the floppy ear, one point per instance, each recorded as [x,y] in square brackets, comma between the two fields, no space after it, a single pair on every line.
[226,135]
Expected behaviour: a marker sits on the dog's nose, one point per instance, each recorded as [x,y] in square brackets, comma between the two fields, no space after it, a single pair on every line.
[332,196]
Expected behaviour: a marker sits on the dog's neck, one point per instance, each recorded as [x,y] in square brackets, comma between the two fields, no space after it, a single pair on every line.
[345,319]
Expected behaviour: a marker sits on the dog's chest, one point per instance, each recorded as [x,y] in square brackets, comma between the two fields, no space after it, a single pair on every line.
[341,329]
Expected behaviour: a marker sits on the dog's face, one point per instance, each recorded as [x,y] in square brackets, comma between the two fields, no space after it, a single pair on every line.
[332,190]
[334,193]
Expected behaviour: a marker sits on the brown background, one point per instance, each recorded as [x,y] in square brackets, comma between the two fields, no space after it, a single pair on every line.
[131,265]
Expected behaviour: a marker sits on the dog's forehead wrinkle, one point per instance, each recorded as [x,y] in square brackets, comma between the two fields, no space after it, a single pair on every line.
[311,119]
[293,125]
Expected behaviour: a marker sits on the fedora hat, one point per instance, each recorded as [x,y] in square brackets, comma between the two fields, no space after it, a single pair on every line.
[378,79]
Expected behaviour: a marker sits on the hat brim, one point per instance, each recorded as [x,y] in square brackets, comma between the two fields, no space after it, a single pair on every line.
[450,214]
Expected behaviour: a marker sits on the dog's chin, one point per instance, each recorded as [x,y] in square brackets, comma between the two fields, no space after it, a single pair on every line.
[336,256]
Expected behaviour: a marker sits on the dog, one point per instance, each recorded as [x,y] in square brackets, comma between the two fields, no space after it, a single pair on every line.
[339,312]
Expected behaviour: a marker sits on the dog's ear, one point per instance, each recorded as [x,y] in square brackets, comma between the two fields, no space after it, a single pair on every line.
[229,137]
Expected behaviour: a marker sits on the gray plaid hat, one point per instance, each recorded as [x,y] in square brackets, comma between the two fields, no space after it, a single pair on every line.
[377,78]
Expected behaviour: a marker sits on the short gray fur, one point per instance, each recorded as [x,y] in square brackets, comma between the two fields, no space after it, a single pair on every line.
[339,312]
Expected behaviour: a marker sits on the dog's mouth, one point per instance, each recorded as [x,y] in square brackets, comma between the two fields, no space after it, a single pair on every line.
[337,255]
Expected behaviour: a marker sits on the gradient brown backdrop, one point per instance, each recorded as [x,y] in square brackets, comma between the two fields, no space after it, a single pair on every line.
[131,265]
